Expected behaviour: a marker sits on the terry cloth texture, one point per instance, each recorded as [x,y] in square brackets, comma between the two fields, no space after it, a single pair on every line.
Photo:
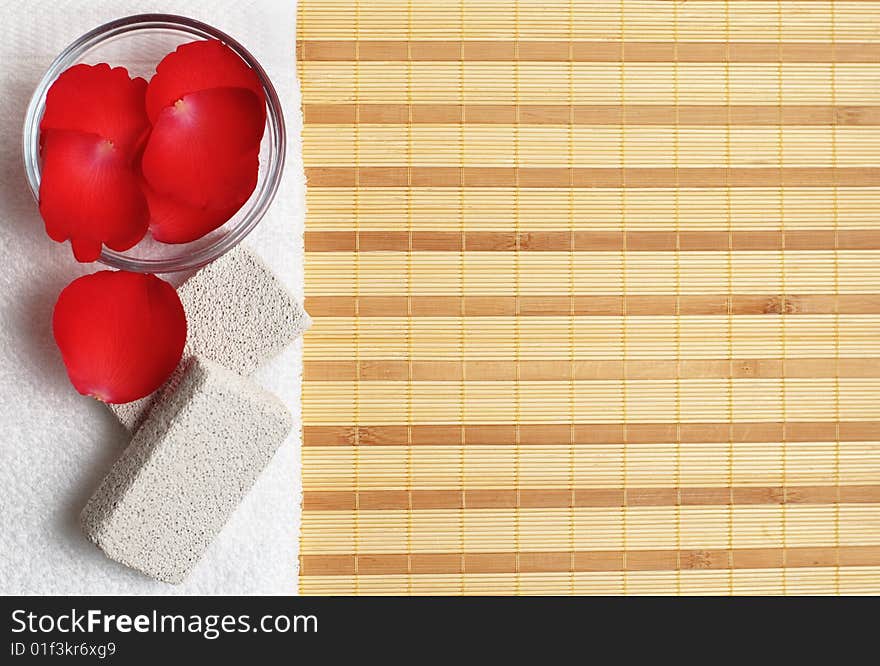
[56,444]
[596,290]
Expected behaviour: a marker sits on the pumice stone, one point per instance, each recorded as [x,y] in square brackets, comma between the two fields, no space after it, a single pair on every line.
[187,468]
[238,314]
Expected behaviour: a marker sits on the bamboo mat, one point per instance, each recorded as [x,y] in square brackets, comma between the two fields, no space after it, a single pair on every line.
[596,289]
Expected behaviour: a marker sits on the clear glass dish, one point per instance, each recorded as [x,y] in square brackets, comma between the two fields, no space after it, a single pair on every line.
[139,43]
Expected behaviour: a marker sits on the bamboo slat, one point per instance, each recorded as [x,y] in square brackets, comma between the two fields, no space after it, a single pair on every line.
[596,297]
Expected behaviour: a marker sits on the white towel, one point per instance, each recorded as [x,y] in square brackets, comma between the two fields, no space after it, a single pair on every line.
[56,445]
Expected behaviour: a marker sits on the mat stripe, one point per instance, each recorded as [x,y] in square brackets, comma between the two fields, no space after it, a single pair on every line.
[563,177]
[582,305]
[586,51]
[508,498]
[705,115]
[614,560]
[440,434]
[557,370]
[591,241]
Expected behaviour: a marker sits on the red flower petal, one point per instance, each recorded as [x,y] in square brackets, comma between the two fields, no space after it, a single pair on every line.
[203,150]
[120,334]
[89,194]
[199,66]
[175,222]
[98,100]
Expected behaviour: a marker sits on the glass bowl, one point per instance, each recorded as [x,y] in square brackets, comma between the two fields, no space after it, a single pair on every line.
[138,43]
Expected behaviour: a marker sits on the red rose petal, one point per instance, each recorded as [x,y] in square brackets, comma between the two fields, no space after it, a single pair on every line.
[120,334]
[98,100]
[174,222]
[203,150]
[199,66]
[89,195]
[85,250]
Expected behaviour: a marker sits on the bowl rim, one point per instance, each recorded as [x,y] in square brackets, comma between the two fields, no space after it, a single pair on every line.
[276,134]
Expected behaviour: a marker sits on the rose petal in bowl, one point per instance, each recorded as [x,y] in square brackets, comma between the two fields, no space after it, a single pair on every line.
[196,66]
[88,194]
[120,334]
[174,222]
[203,150]
[96,99]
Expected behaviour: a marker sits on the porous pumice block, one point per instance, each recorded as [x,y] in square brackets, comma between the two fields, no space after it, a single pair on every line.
[185,471]
[238,314]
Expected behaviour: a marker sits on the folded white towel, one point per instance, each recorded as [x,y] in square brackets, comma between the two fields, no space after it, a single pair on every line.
[56,444]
